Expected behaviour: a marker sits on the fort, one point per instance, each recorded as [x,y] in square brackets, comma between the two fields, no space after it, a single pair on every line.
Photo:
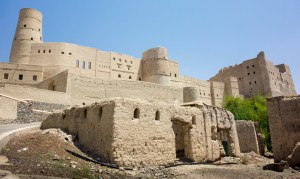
[70,74]
[106,98]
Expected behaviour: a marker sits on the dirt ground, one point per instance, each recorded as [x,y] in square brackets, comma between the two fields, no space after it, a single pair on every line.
[42,154]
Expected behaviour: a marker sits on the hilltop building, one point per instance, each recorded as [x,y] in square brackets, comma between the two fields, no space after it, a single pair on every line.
[69,74]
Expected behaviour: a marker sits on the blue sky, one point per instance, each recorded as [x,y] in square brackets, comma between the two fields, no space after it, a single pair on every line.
[203,36]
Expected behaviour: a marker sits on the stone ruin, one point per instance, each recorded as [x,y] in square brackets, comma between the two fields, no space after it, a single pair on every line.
[284,121]
[137,133]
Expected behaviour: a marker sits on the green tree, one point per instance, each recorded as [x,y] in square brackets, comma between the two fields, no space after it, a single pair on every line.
[254,109]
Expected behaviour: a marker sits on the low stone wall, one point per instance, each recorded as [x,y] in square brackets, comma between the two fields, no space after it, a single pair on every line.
[34,111]
[284,121]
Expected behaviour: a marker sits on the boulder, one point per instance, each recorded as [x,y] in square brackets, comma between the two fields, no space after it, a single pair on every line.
[294,158]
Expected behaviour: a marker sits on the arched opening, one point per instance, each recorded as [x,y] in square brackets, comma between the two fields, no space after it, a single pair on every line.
[194,120]
[157,115]
[77,63]
[24,25]
[85,113]
[136,113]
[31,38]
[119,75]
[100,113]
[83,64]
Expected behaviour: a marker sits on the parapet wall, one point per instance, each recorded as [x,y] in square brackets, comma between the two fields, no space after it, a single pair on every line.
[284,122]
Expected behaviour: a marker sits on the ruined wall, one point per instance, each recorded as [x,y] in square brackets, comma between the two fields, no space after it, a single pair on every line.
[284,122]
[8,109]
[247,136]
[133,132]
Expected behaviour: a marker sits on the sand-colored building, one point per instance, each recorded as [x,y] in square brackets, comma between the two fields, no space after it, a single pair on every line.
[71,74]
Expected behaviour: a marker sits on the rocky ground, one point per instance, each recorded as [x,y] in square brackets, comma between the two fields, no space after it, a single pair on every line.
[42,154]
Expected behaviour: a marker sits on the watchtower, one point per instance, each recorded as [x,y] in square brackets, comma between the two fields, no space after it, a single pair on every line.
[155,66]
[28,31]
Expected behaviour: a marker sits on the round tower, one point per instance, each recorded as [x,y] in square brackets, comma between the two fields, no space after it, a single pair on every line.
[155,66]
[28,31]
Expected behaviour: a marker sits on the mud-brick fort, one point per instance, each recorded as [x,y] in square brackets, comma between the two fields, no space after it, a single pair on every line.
[69,74]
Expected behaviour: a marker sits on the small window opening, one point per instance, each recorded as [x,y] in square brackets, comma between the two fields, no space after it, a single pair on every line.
[248,73]
[255,82]
[175,75]
[77,63]
[250,82]
[39,29]
[120,60]
[83,64]
[140,79]
[62,52]
[119,75]
[44,51]
[252,65]
[31,38]
[89,65]
[100,113]
[70,53]
[34,77]
[24,25]
[194,120]
[136,113]
[114,58]
[39,51]
[49,51]
[15,38]
[85,113]
[40,38]
[129,77]
[131,62]
[157,115]
[64,116]
[254,72]
[247,67]
[20,77]
[6,76]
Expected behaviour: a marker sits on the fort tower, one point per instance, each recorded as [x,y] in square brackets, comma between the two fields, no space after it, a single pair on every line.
[28,31]
[155,66]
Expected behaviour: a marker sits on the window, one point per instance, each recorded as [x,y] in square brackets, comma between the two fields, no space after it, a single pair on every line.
[250,82]
[77,63]
[39,51]
[40,38]
[83,64]
[44,51]
[70,53]
[6,76]
[175,75]
[248,73]
[119,75]
[20,77]
[120,60]
[39,29]
[247,67]
[49,51]
[114,58]
[31,38]
[34,77]
[100,113]
[254,72]
[125,61]
[252,65]
[128,66]
[85,113]
[129,77]
[136,113]
[255,82]
[140,79]
[194,120]
[131,62]
[89,65]
[62,52]
[24,25]
[157,115]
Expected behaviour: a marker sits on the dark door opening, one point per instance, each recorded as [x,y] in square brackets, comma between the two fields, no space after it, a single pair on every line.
[225,146]
[180,130]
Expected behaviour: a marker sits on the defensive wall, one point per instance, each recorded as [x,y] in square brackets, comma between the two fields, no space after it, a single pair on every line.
[172,131]
[284,122]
